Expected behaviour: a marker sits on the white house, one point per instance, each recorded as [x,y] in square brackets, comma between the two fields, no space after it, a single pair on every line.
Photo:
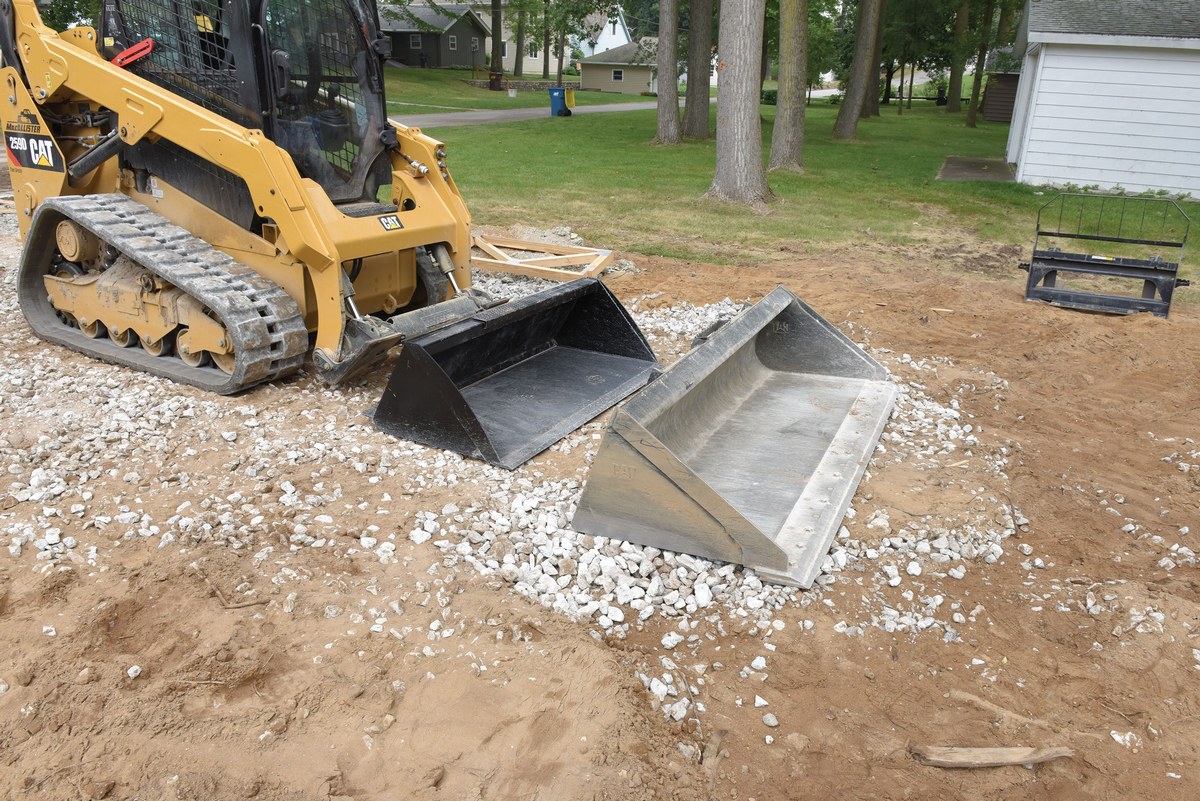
[1109,95]
[610,33]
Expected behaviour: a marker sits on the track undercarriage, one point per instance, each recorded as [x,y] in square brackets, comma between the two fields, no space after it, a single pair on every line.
[107,277]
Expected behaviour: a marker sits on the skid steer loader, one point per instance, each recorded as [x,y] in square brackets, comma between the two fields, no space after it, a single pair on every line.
[209,190]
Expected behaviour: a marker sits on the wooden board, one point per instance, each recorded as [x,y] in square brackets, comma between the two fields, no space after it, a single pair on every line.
[948,756]
[548,262]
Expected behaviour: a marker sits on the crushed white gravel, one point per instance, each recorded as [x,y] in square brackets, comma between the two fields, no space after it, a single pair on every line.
[87,448]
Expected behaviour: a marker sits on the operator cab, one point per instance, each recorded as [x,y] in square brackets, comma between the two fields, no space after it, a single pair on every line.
[306,72]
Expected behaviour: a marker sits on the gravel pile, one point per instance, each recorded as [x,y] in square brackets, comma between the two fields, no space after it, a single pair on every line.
[518,528]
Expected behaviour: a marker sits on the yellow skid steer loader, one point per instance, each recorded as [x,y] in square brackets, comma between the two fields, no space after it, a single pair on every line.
[210,190]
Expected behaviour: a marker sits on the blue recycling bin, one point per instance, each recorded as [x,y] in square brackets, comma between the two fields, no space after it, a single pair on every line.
[558,102]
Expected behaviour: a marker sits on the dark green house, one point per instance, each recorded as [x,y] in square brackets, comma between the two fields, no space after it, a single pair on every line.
[436,36]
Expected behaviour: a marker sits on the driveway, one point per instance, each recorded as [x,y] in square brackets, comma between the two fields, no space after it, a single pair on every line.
[488,116]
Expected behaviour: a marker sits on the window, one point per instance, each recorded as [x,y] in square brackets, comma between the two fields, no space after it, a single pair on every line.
[618,76]
[474,44]
[534,50]
[414,40]
[504,49]
[452,42]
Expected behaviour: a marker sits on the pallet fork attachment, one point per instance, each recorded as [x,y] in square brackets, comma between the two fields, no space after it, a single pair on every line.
[1141,239]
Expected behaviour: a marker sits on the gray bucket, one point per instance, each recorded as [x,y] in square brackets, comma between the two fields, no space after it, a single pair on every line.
[749,449]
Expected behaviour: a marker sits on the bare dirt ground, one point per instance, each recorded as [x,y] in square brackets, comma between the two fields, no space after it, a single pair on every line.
[261,676]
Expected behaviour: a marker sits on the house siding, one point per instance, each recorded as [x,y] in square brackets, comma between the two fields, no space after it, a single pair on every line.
[531,67]
[599,76]
[1000,97]
[1110,116]
[463,56]
[402,52]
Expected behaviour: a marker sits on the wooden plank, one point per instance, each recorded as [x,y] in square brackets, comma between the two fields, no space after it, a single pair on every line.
[576,260]
[591,260]
[947,756]
[529,245]
[603,260]
[516,268]
[491,250]
[581,260]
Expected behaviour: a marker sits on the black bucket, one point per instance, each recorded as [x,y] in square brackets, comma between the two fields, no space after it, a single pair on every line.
[508,382]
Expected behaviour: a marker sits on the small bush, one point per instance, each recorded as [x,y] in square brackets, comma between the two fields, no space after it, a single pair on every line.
[770,97]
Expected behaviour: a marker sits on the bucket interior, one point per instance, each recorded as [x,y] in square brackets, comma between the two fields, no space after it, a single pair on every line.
[749,449]
[755,434]
[527,373]
[545,395]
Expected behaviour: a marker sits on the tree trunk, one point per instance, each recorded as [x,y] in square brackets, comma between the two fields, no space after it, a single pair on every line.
[668,73]
[764,61]
[787,138]
[860,70]
[958,59]
[900,102]
[562,45]
[912,73]
[871,98]
[519,56]
[985,42]
[1004,30]
[890,74]
[497,64]
[740,175]
[546,42]
[696,106]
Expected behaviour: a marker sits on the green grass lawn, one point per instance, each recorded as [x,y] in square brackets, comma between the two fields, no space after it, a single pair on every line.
[425,91]
[602,176]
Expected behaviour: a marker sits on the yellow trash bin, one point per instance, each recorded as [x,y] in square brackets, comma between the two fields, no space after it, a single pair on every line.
[569,98]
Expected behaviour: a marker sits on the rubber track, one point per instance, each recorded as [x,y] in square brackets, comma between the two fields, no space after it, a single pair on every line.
[265,324]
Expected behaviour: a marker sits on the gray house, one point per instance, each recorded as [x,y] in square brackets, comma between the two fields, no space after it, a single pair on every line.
[436,36]
[1109,95]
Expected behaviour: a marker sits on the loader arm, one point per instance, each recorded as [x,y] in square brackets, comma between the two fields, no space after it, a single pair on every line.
[59,68]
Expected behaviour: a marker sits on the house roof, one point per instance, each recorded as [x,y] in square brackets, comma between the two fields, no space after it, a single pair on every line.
[639,54]
[596,22]
[420,18]
[1165,18]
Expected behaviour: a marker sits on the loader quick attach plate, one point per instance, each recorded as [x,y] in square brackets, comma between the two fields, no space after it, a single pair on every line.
[749,449]
[508,382]
[1142,240]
